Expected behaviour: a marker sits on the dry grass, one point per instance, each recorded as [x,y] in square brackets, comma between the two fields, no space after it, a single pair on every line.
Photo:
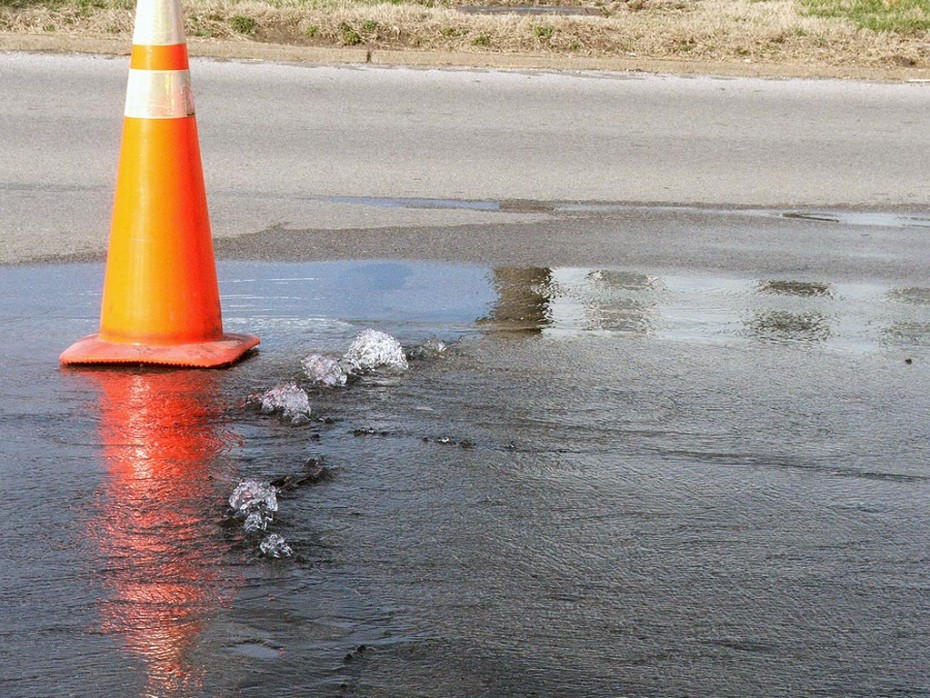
[766,30]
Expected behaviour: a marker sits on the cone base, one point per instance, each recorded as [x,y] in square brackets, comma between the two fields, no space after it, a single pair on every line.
[221,352]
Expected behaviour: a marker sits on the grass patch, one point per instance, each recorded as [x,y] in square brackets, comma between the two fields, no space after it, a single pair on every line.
[243,25]
[895,16]
[543,33]
[350,37]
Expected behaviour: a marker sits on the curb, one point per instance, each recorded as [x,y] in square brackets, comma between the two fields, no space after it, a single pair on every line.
[250,50]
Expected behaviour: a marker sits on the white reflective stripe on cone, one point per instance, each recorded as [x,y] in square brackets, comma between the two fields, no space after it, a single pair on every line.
[158,22]
[159,94]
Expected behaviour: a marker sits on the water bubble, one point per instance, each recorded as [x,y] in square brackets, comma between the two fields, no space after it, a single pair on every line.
[288,399]
[373,349]
[323,370]
[275,546]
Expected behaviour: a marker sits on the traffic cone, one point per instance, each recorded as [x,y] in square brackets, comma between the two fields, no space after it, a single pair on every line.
[161,300]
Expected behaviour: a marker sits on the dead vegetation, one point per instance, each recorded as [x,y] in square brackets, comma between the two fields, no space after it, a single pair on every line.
[805,31]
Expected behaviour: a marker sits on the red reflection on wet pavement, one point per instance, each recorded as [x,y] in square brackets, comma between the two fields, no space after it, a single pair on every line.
[157,530]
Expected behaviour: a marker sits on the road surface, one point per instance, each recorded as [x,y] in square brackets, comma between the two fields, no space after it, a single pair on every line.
[313,148]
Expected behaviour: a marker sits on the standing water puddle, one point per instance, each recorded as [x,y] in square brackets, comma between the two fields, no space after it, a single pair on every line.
[613,482]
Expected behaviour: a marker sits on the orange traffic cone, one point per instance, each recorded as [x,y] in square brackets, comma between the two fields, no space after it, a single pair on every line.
[161,300]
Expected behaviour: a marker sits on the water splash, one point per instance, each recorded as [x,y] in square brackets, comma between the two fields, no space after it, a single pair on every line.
[257,521]
[290,400]
[255,502]
[275,546]
[252,496]
[323,370]
[430,349]
[372,349]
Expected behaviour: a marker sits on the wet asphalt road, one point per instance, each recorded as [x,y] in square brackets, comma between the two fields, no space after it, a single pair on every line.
[620,481]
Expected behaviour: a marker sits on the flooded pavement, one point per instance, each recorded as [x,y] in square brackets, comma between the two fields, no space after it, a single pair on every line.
[619,481]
